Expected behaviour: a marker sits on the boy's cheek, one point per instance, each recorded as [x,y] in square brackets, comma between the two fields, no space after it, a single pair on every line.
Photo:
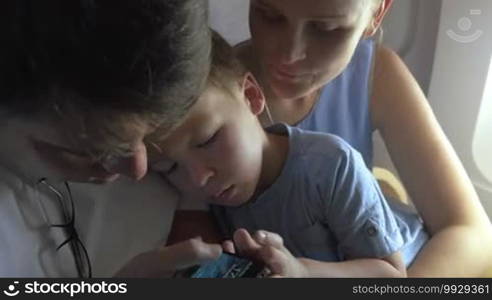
[192,193]
[186,189]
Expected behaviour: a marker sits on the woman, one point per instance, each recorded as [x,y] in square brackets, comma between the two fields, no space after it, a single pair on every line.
[315,61]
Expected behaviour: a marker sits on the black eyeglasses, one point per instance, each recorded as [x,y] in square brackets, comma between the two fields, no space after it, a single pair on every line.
[81,257]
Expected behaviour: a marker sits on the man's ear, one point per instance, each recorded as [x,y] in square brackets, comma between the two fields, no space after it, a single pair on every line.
[253,94]
[377,18]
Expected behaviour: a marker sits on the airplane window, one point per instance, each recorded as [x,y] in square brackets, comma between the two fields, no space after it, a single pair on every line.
[482,141]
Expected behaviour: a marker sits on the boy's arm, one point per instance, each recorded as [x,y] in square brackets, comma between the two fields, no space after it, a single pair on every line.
[359,217]
[354,209]
[391,266]
[268,248]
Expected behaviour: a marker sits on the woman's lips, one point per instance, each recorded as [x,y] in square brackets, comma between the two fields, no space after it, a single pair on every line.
[285,75]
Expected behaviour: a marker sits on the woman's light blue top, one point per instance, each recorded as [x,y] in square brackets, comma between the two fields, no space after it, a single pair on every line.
[343,107]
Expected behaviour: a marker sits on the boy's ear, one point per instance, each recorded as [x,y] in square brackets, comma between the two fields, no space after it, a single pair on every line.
[377,18]
[253,94]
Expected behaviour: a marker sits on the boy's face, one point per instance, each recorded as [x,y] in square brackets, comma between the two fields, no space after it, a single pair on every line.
[216,154]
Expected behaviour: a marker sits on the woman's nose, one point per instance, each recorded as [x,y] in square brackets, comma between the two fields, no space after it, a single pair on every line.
[293,47]
[133,166]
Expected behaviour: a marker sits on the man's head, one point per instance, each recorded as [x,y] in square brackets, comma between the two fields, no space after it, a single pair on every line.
[216,153]
[102,74]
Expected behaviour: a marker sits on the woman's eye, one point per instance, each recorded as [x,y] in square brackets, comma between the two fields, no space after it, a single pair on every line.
[209,141]
[323,27]
[173,168]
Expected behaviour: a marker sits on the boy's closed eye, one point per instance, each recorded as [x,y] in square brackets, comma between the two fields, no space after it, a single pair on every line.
[209,141]
[164,166]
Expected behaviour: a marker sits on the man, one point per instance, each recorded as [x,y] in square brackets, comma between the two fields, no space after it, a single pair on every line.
[82,84]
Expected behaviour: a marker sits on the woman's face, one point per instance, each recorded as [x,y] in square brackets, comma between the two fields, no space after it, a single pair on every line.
[302,45]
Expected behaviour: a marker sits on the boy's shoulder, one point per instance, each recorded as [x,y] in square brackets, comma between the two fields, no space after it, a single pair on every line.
[306,142]
[318,150]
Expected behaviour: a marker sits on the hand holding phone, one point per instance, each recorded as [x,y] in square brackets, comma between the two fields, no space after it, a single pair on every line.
[228,265]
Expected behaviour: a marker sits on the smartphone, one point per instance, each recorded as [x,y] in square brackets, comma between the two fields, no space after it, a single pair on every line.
[228,265]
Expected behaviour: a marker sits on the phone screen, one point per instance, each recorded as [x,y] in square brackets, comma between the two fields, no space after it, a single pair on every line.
[228,265]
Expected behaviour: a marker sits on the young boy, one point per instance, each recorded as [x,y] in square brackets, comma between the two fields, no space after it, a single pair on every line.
[312,189]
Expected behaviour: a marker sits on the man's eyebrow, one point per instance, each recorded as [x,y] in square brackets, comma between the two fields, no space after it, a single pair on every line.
[58,147]
[267,6]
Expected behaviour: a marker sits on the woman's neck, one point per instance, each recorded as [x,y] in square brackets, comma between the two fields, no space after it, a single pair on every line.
[290,111]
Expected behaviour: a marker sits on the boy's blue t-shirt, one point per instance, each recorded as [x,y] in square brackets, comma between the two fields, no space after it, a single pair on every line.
[326,205]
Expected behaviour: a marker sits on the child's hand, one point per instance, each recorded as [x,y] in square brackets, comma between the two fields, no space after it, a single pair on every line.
[228,246]
[268,248]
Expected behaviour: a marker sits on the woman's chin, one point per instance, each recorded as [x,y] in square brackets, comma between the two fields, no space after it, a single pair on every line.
[289,90]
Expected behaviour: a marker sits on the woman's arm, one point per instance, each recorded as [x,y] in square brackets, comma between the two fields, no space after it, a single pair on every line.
[461,243]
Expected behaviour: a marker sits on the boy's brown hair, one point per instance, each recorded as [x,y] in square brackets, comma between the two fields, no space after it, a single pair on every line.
[226,70]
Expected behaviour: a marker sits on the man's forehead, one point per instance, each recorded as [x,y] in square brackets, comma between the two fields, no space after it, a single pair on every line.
[317,8]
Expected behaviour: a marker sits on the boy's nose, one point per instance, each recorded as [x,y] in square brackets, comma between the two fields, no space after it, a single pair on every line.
[200,174]
[133,166]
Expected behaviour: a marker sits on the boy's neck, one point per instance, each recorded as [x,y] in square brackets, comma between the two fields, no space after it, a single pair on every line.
[275,153]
